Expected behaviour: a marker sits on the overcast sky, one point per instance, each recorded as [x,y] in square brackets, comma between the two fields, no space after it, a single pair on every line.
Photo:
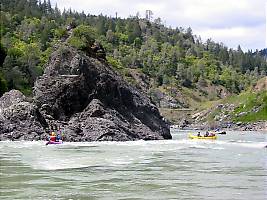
[232,22]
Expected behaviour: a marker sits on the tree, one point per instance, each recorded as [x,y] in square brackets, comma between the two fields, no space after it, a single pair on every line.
[49,7]
[2,55]
[31,59]
[29,30]
[3,85]
[133,30]
[158,21]
[149,15]
[100,26]
[57,13]
[119,28]
[83,37]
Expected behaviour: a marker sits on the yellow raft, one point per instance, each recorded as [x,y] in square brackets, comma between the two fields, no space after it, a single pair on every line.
[202,137]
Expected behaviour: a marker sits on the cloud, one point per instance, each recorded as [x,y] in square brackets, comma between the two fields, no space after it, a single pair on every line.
[232,22]
[247,37]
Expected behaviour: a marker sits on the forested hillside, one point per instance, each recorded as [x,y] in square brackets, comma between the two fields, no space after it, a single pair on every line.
[161,61]
[264,53]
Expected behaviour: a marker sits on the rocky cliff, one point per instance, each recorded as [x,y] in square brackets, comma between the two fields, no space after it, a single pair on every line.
[84,97]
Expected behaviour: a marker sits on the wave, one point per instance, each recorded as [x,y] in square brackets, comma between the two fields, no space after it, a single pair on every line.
[243,143]
[72,155]
[29,144]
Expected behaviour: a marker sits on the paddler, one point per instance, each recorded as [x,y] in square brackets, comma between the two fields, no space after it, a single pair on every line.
[53,137]
[58,138]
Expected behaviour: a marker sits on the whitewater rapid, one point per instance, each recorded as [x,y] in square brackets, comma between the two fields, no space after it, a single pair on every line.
[166,169]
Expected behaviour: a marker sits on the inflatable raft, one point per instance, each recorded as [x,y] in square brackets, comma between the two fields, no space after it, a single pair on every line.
[202,137]
[52,142]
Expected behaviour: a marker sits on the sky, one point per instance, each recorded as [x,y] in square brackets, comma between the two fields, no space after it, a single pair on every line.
[231,22]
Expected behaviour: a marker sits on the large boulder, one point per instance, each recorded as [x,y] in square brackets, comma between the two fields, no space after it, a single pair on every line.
[19,118]
[88,100]
[95,101]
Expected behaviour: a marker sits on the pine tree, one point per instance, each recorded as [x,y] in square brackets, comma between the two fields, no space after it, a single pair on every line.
[49,7]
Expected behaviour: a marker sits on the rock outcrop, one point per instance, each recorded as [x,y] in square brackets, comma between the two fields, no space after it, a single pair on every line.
[19,118]
[86,99]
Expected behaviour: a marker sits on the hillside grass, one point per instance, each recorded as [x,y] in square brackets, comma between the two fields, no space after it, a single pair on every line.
[249,106]
[253,104]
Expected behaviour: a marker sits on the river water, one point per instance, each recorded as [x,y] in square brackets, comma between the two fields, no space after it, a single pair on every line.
[232,167]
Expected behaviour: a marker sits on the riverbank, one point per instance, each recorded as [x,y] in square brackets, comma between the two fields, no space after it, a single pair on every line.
[230,126]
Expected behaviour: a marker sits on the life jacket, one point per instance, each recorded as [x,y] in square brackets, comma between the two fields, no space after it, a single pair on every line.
[53,138]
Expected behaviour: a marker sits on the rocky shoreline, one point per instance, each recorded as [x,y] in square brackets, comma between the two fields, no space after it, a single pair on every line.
[230,126]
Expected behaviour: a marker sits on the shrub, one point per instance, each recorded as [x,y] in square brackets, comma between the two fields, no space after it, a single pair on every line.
[83,37]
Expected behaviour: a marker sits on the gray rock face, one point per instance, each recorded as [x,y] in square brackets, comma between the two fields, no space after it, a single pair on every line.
[20,119]
[87,99]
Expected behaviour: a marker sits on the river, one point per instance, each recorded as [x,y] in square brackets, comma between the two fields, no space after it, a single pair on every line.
[233,167]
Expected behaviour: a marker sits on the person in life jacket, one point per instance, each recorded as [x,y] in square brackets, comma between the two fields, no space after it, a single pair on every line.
[58,138]
[53,137]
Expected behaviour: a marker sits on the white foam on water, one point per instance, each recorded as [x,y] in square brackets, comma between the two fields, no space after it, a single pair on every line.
[243,143]
[57,164]
[257,145]
[69,154]
[54,157]
[199,147]
[218,148]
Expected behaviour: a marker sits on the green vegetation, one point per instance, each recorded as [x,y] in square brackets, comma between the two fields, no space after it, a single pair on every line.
[252,106]
[83,37]
[172,59]
[248,106]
